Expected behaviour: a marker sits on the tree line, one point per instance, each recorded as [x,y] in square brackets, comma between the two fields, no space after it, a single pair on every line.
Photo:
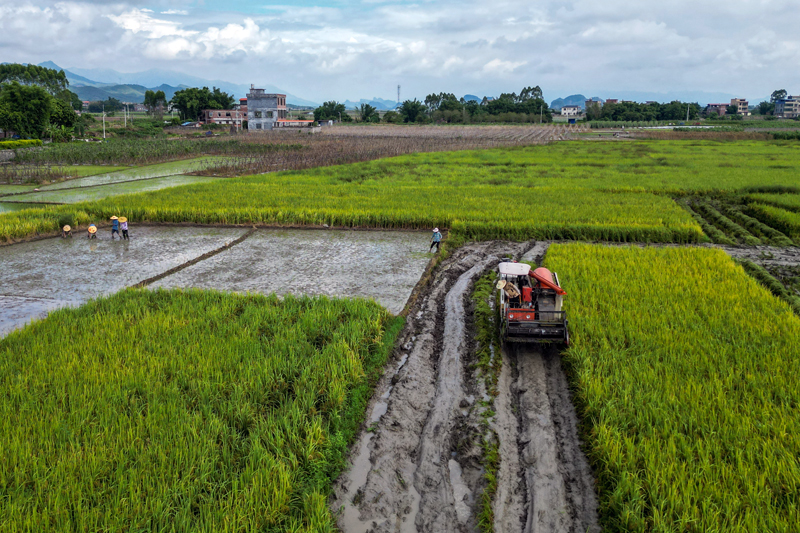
[35,102]
[527,106]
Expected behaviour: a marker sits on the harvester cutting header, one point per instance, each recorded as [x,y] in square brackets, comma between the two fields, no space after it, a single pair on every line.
[530,305]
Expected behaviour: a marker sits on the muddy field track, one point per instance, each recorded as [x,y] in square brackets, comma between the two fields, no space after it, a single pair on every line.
[417,465]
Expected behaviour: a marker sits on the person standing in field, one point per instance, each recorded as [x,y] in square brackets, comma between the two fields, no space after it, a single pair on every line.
[114,227]
[123,223]
[436,238]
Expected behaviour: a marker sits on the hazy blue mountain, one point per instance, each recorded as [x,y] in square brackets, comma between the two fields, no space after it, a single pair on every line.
[472,98]
[575,99]
[378,103]
[156,78]
[125,93]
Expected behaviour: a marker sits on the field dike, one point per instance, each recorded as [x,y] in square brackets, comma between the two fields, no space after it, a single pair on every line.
[417,466]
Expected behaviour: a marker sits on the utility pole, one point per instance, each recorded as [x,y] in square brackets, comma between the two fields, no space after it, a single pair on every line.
[340,117]
[104,121]
[687,111]
[540,114]
[398,94]
[125,113]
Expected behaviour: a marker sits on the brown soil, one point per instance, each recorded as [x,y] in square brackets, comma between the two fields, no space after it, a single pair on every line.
[417,465]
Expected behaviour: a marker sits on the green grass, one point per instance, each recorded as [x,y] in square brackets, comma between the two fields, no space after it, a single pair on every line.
[184,411]
[687,379]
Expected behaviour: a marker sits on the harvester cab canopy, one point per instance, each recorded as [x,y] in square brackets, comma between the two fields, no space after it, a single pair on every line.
[514,269]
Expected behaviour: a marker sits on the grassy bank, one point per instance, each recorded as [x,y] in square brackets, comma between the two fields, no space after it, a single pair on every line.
[686,376]
[184,411]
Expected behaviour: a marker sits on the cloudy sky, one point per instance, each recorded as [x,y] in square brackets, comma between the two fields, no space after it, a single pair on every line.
[323,50]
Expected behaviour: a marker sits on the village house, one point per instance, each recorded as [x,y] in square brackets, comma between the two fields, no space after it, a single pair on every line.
[788,107]
[230,117]
[264,110]
[571,110]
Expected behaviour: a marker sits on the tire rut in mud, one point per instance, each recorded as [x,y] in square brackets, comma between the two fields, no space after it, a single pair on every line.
[417,468]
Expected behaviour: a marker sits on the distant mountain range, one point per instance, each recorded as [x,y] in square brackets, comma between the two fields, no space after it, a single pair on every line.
[378,103]
[575,99]
[130,87]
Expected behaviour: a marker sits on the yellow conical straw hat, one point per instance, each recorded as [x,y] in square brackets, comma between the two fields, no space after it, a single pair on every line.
[123,219]
[114,218]
[67,228]
[92,229]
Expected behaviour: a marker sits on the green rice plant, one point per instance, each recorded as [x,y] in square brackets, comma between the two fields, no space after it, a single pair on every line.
[770,282]
[730,227]
[686,375]
[185,411]
[787,222]
[789,200]
[713,233]
[755,226]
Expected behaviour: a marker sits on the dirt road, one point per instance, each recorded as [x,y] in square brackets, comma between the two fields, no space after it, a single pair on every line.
[417,466]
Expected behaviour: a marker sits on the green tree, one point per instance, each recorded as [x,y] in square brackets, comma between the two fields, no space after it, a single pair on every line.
[780,94]
[765,108]
[25,109]
[392,117]
[594,110]
[732,110]
[62,114]
[53,81]
[368,113]
[192,101]
[332,110]
[411,110]
[155,102]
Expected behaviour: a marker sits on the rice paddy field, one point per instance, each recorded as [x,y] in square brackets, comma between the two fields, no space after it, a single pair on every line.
[179,409]
[184,411]
[686,376]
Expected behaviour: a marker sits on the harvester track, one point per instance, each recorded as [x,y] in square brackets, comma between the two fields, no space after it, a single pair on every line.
[417,465]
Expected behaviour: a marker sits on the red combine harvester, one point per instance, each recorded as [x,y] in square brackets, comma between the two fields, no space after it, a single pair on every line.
[530,305]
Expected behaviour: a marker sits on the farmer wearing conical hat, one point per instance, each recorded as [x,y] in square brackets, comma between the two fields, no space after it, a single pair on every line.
[115,227]
[66,231]
[436,238]
[91,232]
[123,223]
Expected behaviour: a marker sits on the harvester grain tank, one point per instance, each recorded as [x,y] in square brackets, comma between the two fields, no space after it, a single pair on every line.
[530,304]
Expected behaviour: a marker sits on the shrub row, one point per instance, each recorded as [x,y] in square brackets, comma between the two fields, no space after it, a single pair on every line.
[19,143]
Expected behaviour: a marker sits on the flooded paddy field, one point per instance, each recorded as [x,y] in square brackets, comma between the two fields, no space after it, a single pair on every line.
[83,194]
[43,275]
[137,173]
[384,265]
[14,189]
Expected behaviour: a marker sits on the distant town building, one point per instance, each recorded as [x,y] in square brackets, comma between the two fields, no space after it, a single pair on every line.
[719,109]
[788,107]
[742,106]
[612,101]
[230,117]
[85,104]
[263,109]
[571,110]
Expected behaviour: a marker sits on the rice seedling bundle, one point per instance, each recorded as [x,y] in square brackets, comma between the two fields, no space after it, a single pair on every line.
[184,411]
[687,375]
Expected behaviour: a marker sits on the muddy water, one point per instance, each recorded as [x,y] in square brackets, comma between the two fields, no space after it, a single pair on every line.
[371,264]
[69,196]
[48,273]
[137,173]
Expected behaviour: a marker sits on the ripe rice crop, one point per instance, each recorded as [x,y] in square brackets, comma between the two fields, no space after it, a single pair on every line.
[790,202]
[687,376]
[786,221]
[184,411]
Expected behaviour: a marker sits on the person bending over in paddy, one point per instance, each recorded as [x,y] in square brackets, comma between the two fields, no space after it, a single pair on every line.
[123,224]
[66,231]
[91,232]
[114,227]
[436,238]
